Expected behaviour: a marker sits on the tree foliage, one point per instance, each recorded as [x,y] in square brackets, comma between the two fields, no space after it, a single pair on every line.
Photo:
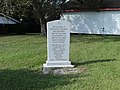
[16,8]
[93,4]
[47,10]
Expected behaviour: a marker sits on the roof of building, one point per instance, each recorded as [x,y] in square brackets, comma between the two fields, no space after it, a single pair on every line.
[4,19]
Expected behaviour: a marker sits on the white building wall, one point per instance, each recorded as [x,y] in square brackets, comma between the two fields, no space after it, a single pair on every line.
[103,22]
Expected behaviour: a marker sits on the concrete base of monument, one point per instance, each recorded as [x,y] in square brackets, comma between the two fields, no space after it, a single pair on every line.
[50,66]
[57,64]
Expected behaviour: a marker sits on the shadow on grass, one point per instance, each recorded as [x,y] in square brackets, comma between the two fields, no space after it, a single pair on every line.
[33,80]
[94,61]
[94,38]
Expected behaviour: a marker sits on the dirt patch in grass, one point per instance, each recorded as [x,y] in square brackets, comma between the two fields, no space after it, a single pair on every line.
[64,71]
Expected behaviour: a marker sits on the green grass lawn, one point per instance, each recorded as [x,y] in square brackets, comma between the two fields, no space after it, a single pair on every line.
[22,57]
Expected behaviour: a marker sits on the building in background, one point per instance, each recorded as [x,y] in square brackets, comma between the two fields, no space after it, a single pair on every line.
[7,24]
[105,20]
[4,19]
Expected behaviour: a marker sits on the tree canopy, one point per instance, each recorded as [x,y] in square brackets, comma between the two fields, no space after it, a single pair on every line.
[19,9]
[47,10]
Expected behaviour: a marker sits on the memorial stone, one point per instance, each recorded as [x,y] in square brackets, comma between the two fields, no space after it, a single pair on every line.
[58,43]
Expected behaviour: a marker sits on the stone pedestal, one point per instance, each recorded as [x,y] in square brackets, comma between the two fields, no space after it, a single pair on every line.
[57,64]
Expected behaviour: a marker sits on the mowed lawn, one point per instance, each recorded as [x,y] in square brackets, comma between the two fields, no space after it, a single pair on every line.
[22,57]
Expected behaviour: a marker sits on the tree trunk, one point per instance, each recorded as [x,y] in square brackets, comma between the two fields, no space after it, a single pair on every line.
[43,27]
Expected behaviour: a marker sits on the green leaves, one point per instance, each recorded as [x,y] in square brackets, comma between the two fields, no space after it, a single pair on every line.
[93,3]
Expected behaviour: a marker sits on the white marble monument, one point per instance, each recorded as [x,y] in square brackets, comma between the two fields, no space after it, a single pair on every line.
[58,43]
